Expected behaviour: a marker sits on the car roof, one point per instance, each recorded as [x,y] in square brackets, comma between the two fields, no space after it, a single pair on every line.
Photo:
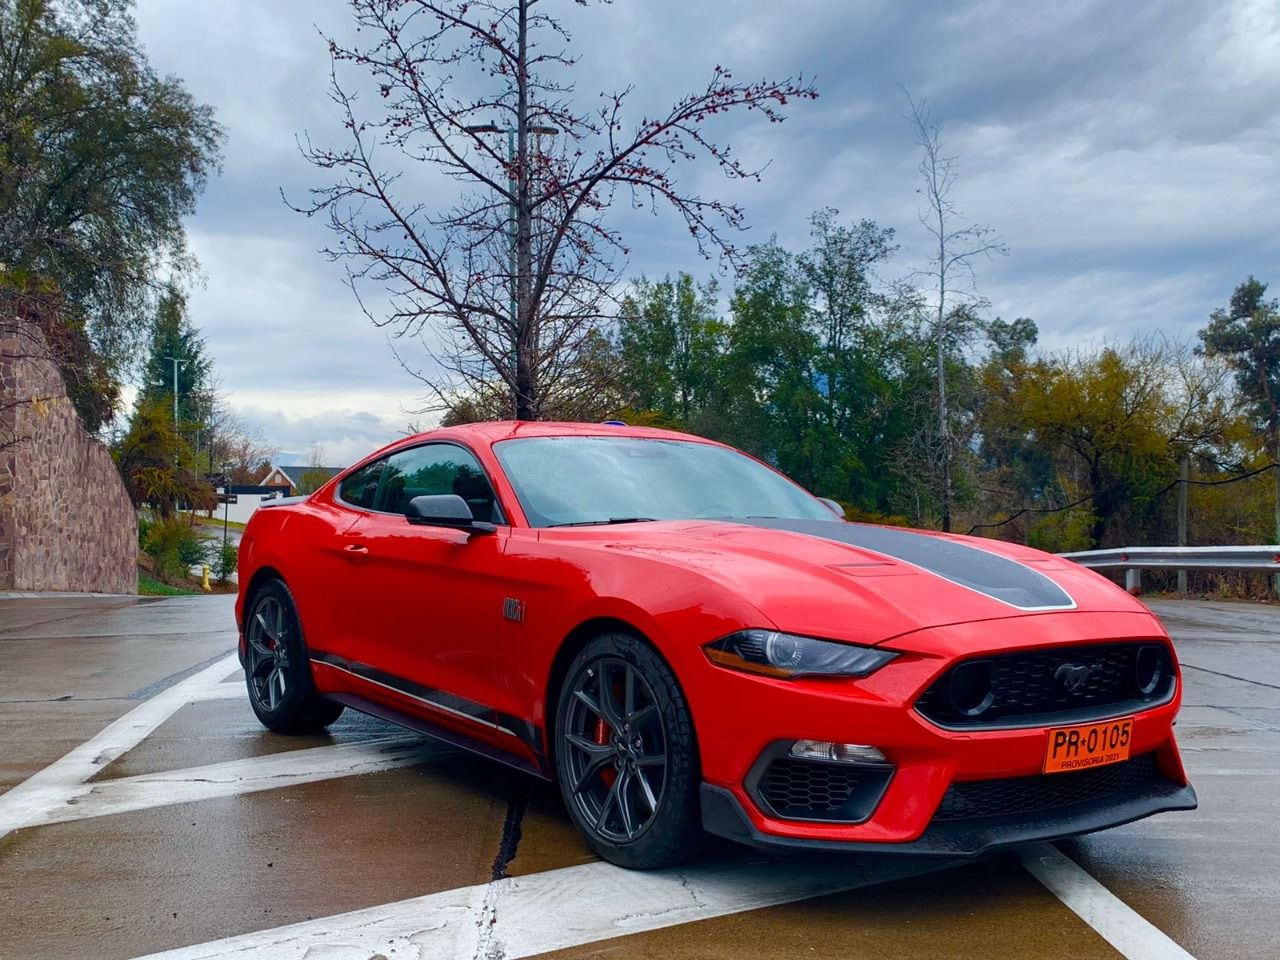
[488,432]
[493,431]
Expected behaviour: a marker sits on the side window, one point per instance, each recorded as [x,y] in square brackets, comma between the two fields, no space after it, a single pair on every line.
[433,469]
[360,488]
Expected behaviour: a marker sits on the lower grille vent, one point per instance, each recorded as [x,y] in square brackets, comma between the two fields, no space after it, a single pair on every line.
[978,799]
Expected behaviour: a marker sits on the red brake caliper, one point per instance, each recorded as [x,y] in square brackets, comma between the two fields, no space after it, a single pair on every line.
[602,731]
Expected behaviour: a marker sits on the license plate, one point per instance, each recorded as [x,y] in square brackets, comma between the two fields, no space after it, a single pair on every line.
[1087,745]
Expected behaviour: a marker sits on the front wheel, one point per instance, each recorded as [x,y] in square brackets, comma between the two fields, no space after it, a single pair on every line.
[277,670]
[626,755]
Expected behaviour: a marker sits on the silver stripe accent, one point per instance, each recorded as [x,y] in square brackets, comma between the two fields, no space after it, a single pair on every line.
[434,704]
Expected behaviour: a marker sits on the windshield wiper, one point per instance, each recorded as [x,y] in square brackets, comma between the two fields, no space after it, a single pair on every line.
[604,523]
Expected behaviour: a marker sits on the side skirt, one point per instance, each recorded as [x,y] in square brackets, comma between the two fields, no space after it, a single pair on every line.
[438,700]
[451,737]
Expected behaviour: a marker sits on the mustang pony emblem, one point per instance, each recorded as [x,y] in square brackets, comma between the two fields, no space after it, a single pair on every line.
[1072,677]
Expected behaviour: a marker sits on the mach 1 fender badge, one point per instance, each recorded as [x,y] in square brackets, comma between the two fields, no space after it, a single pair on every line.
[513,609]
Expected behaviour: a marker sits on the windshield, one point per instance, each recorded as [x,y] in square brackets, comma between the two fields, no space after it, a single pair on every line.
[562,481]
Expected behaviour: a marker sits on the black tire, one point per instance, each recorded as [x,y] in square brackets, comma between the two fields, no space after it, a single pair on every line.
[618,710]
[277,669]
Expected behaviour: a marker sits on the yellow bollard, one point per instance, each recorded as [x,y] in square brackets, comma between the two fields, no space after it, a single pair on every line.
[204,576]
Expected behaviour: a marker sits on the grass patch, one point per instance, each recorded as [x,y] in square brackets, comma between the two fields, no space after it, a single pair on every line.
[217,522]
[149,586]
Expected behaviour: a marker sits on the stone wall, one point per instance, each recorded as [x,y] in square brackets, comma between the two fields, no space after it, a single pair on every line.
[66,522]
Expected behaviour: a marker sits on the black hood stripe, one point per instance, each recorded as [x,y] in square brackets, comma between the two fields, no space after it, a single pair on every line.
[992,575]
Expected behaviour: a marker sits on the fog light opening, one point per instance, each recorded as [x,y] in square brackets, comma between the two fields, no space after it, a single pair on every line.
[970,688]
[1149,669]
[836,752]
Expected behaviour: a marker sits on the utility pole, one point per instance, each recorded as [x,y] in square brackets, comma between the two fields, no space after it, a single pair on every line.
[1184,466]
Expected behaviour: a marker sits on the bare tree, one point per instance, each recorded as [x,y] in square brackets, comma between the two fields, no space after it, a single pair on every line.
[517,274]
[957,245]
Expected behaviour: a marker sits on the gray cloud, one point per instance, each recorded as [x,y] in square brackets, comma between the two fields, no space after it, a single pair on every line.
[1126,153]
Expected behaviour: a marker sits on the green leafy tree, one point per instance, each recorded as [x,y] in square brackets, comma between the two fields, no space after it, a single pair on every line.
[774,398]
[312,480]
[1247,335]
[863,340]
[100,160]
[819,369]
[669,342]
[1113,424]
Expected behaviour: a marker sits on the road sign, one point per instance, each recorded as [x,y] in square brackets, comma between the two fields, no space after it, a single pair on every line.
[228,498]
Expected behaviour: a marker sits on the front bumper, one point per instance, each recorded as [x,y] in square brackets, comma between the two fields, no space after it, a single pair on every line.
[723,815]
[749,714]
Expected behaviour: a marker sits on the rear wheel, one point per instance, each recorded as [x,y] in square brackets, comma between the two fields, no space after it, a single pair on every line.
[277,669]
[626,756]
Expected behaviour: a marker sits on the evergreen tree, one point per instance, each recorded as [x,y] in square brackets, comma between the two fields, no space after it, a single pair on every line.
[174,337]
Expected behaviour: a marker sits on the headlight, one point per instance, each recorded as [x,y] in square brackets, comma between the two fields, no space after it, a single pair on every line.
[787,655]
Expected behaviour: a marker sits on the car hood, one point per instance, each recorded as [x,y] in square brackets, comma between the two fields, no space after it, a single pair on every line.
[869,583]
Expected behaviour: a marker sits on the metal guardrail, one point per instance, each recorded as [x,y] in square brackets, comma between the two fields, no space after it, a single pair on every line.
[1133,560]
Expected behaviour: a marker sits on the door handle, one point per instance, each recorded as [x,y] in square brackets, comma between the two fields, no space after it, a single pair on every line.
[356,550]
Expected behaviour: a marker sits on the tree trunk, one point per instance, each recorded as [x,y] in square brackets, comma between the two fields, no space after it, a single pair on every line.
[1101,508]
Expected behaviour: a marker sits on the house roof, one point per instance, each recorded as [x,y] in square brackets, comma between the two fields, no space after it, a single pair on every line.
[295,472]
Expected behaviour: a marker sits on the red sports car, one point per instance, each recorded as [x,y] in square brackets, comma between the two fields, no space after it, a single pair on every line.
[687,642]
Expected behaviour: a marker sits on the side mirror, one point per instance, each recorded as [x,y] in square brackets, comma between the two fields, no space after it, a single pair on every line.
[445,510]
[832,506]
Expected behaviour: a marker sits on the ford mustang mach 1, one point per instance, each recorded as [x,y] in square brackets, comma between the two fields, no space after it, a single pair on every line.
[688,642]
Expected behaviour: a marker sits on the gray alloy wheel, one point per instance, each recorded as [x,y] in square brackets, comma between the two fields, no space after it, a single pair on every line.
[268,655]
[626,756]
[615,749]
[277,670]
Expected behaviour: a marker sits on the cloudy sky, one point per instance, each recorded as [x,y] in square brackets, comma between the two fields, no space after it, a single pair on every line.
[1127,153]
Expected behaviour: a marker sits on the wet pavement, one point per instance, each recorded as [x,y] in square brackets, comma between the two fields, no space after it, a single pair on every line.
[185,824]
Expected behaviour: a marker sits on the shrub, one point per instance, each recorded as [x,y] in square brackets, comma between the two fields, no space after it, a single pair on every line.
[224,561]
[175,547]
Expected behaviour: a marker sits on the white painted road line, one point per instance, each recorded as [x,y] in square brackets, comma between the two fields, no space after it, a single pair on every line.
[551,911]
[221,691]
[1113,919]
[515,917]
[147,791]
[525,916]
[49,789]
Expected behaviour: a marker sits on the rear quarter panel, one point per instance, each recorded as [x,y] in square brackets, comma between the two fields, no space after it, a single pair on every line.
[301,544]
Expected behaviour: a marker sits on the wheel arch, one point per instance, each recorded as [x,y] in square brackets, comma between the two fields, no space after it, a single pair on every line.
[260,576]
[574,641]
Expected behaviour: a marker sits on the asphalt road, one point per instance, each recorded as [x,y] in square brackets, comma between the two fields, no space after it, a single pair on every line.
[146,811]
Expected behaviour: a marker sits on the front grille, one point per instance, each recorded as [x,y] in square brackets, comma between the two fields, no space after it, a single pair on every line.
[979,799]
[812,790]
[1027,687]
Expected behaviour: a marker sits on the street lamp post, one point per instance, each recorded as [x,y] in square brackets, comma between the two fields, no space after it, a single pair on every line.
[226,504]
[512,230]
[176,363]
[176,456]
